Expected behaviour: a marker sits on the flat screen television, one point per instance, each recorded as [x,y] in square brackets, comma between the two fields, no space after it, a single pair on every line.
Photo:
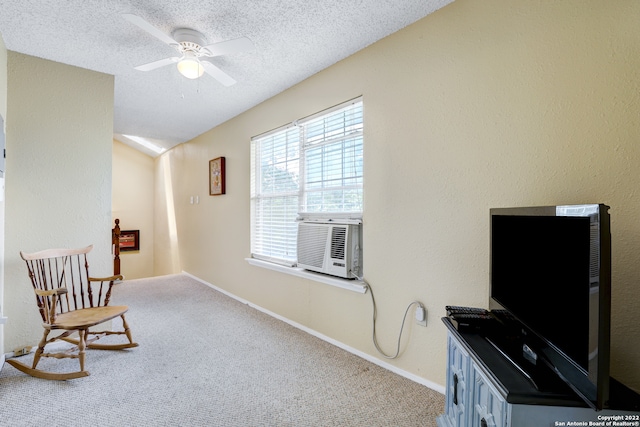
[551,269]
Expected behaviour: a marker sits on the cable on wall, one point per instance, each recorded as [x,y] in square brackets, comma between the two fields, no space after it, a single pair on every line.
[374,317]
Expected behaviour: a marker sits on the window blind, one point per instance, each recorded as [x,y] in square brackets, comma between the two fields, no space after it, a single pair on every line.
[333,161]
[314,165]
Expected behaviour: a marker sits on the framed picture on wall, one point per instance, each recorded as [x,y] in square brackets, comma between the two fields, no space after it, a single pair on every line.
[216,176]
[129,240]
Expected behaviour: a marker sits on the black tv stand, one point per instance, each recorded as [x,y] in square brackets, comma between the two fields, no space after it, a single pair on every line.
[513,362]
[521,351]
[486,382]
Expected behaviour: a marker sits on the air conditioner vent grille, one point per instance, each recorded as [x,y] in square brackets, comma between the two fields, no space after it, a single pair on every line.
[311,244]
[338,240]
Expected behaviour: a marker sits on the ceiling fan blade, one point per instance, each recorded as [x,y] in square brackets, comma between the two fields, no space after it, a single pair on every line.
[157,64]
[217,73]
[144,25]
[242,44]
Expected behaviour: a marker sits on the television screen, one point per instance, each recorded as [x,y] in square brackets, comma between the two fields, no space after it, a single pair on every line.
[550,268]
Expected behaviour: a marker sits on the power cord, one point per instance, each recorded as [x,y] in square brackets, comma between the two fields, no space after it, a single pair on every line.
[375,315]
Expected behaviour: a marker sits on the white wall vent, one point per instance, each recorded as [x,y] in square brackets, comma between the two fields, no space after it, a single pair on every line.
[330,248]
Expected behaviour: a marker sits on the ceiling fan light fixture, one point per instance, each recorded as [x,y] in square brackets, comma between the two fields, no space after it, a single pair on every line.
[190,67]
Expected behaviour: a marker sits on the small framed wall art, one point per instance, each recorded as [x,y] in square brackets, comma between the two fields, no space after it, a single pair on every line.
[129,240]
[216,176]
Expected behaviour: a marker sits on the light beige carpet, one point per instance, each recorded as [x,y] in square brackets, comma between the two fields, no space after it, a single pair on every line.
[208,360]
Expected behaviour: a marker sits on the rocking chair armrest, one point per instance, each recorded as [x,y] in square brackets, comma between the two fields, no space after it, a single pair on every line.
[107,282]
[48,293]
[106,279]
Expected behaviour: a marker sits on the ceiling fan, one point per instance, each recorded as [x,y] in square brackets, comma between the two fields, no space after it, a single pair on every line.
[195,53]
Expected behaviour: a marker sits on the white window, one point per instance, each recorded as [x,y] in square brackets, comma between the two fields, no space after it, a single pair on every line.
[313,165]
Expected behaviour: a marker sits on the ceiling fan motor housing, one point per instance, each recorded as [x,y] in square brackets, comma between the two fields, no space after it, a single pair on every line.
[190,40]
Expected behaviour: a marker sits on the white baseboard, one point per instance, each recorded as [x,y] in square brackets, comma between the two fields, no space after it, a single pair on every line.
[433,386]
[3,320]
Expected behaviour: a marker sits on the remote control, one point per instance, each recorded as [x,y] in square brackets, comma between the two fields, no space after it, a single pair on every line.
[469,318]
[454,309]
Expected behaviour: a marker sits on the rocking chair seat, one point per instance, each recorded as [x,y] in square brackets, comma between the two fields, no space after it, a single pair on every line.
[87,317]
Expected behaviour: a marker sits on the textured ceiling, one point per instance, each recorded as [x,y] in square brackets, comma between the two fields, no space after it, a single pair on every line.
[293,40]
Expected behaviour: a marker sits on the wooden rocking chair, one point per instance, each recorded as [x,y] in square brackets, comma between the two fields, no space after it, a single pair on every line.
[72,301]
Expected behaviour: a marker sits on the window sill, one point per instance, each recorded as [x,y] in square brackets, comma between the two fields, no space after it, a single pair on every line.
[351,285]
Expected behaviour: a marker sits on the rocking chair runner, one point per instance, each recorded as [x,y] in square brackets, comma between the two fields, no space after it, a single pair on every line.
[72,301]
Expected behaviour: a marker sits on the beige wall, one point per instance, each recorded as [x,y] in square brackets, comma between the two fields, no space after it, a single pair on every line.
[58,187]
[483,104]
[166,258]
[132,203]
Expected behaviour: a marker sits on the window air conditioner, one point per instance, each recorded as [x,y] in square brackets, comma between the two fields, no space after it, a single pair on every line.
[330,248]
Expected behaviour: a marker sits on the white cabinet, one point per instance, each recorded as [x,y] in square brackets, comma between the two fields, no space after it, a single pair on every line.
[483,390]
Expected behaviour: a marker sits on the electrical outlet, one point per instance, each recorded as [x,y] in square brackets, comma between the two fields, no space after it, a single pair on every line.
[421,316]
[21,351]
